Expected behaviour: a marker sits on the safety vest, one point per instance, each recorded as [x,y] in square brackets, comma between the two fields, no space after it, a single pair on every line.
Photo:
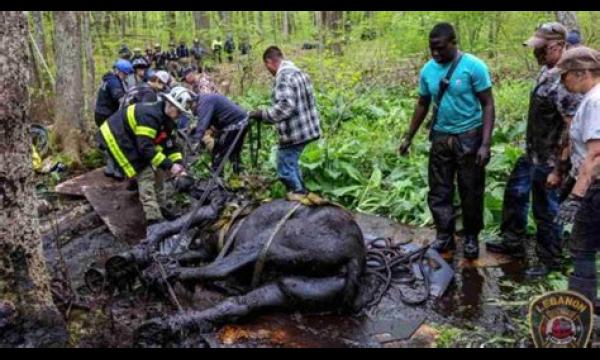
[129,139]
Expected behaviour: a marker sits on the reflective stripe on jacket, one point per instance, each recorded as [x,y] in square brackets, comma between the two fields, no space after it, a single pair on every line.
[130,136]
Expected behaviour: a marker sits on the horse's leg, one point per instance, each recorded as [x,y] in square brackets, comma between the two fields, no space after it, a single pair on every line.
[310,291]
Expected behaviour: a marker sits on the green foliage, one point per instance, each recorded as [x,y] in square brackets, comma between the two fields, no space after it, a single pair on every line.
[92,159]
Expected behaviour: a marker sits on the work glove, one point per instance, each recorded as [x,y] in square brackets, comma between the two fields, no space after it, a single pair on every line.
[256,114]
[483,156]
[568,210]
[177,170]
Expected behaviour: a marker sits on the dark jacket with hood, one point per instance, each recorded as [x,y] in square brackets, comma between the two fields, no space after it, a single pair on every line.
[109,96]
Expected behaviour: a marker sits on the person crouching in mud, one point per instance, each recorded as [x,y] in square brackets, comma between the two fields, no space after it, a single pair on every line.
[216,111]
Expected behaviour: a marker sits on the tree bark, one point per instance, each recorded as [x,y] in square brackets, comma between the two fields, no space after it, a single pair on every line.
[286,25]
[38,24]
[69,101]
[261,23]
[568,19]
[28,316]
[171,24]
[90,68]
[332,21]
[202,20]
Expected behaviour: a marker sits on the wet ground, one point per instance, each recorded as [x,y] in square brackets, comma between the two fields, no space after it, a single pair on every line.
[466,303]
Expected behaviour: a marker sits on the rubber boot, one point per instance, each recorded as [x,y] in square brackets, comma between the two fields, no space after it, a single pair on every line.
[586,287]
[443,243]
[471,247]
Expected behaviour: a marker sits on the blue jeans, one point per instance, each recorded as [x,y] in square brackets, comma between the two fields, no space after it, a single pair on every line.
[525,179]
[288,168]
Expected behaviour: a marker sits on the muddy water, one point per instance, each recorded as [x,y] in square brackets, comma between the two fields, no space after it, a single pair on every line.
[464,304]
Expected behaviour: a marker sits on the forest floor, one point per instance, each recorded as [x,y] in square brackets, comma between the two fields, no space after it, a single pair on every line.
[483,306]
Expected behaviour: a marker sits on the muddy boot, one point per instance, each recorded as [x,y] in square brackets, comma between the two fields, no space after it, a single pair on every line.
[538,270]
[316,199]
[132,185]
[586,287]
[301,197]
[505,248]
[444,243]
[471,247]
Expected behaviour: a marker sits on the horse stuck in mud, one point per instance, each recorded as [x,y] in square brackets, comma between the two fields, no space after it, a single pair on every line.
[277,255]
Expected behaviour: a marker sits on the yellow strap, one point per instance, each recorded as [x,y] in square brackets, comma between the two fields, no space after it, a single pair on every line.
[145,131]
[158,159]
[131,118]
[115,150]
[159,148]
[175,156]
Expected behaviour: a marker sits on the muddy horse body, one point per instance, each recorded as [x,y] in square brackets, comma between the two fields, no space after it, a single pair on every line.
[313,260]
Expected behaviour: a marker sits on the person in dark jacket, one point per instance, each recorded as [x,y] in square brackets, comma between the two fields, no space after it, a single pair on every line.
[134,136]
[229,47]
[198,52]
[227,119]
[109,97]
[111,91]
[245,47]
[183,53]
[159,58]
[172,54]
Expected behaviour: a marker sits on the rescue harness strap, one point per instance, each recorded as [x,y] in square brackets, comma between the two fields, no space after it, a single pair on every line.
[262,256]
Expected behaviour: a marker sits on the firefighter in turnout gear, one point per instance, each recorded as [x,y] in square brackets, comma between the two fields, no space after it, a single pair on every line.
[141,140]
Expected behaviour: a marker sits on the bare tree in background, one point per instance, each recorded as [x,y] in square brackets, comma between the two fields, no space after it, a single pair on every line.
[568,19]
[69,99]
[90,68]
[28,316]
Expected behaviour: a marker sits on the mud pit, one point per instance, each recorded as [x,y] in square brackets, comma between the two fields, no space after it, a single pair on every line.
[389,324]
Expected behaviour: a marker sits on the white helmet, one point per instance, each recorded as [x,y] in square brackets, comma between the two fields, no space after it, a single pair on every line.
[163,76]
[181,98]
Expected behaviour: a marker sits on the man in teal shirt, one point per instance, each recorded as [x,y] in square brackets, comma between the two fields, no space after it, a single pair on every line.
[460,140]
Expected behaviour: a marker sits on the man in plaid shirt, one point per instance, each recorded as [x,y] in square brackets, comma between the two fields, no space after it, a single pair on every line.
[295,115]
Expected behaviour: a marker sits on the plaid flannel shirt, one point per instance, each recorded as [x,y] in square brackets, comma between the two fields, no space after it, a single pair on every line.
[294,111]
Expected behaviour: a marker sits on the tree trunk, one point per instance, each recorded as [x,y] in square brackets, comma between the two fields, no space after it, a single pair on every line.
[274,25]
[90,68]
[69,101]
[332,21]
[201,20]
[568,19]
[261,23]
[171,25]
[38,24]
[123,23]
[28,316]
[286,26]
